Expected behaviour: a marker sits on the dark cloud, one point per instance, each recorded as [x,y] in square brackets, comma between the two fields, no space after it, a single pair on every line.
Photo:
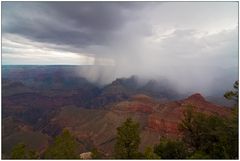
[76,23]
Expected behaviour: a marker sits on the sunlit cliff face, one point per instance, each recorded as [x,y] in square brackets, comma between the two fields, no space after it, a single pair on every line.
[192,44]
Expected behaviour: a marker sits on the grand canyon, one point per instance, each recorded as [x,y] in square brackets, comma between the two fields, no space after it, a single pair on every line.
[38,102]
[119,80]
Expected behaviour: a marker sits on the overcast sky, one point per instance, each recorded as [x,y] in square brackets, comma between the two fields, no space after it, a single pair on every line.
[188,42]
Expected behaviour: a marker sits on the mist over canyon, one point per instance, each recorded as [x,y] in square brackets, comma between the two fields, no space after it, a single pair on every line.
[38,102]
[101,77]
[78,71]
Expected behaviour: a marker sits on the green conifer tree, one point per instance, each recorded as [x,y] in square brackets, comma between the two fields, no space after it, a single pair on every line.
[64,147]
[128,140]
[20,151]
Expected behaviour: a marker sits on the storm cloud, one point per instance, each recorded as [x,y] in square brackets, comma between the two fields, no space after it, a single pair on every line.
[192,44]
[79,24]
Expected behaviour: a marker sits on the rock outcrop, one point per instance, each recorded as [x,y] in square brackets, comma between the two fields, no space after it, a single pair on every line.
[86,155]
[166,120]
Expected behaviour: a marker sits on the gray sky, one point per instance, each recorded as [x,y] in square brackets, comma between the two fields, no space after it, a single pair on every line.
[193,43]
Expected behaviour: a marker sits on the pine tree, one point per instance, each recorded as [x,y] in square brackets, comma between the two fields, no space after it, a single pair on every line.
[233,95]
[171,149]
[149,154]
[64,147]
[128,140]
[20,151]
